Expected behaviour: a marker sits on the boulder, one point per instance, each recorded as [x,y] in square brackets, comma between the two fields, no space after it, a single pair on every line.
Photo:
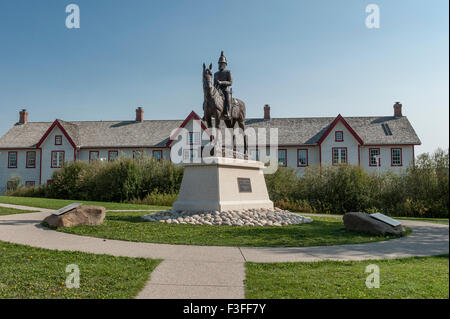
[362,222]
[82,215]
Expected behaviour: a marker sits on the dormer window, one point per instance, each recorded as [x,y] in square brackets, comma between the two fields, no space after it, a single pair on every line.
[58,140]
[339,136]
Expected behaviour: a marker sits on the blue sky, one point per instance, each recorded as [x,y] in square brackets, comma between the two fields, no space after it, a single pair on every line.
[304,58]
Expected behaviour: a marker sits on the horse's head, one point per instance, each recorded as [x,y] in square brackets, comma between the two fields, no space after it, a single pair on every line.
[207,76]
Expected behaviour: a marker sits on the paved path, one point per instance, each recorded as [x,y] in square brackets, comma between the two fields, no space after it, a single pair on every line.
[190,272]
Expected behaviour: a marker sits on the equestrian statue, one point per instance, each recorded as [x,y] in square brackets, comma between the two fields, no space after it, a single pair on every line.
[218,101]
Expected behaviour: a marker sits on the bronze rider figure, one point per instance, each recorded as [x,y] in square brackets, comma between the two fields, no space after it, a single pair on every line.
[223,81]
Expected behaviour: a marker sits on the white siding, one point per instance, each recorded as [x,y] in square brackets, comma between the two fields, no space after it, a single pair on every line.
[25,174]
[349,142]
[48,146]
[83,154]
[313,157]
[316,155]
[385,159]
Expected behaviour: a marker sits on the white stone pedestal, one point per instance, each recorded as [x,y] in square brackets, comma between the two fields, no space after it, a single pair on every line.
[223,184]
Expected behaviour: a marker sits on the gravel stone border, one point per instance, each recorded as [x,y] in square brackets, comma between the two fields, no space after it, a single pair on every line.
[245,217]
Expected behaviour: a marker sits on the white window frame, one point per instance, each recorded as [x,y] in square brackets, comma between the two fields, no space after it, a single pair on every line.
[305,151]
[285,157]
[339,157]
[374,160]
[57,159]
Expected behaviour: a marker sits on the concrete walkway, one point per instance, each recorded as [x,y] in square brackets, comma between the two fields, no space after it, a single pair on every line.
[191,272]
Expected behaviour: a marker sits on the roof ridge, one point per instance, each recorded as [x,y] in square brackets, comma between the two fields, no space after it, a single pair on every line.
[249,118]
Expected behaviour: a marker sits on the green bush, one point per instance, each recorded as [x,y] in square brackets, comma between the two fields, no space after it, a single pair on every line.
[13,183]
[421,190]
[337,189]
[38,191]
[283,184]
[156,198]
[69,181]
[159,176]
[117,181]
[121,180]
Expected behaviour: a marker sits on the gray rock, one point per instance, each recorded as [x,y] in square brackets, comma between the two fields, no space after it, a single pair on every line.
[276,224]
[362,222]
[81,215]
[247,217]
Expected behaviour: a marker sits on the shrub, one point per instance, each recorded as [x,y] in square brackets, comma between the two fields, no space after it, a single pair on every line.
[13,183]
[421,190]
[283,184]
[294,205]
[159,176]
[337,189]
[68,182]
[118,181]
[156,198]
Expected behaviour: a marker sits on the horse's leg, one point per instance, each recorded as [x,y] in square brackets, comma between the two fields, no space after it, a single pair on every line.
[208,119]
[242,126]
[217,126]
[232,123]
[228,125]
[217,121]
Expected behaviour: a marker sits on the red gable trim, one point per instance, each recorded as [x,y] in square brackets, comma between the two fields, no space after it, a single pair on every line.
[47,133]
[191,116]
[347,126]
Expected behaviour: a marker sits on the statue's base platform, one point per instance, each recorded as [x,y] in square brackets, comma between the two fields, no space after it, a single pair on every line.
[221,183]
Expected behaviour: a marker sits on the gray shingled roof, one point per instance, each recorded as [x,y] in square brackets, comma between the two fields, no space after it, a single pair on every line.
[126,133]
[25,135]
[308,131]
[291,131]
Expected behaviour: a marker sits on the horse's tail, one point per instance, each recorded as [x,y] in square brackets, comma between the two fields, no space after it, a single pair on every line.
[242,110]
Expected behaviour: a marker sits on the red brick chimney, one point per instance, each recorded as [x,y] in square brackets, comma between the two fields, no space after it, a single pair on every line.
[23,116]
[139,114]
[397,109]
[267,112]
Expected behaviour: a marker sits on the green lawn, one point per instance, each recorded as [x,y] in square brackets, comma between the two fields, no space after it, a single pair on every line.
[130,226]
[59,203]
[428,220]
[419,219]
[28,272]
[424,277]
[11,211]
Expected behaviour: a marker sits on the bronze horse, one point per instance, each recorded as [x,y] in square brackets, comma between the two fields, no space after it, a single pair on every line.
[214,103]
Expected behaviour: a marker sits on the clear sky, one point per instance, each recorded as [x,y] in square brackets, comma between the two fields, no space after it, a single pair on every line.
[304,58]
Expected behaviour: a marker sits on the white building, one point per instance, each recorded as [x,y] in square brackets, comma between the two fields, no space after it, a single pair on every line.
[32,151]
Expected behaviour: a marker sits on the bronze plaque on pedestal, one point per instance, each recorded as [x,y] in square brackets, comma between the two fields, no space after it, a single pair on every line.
[244,185]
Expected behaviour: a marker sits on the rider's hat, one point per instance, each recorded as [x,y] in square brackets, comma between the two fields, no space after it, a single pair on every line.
[222,58]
